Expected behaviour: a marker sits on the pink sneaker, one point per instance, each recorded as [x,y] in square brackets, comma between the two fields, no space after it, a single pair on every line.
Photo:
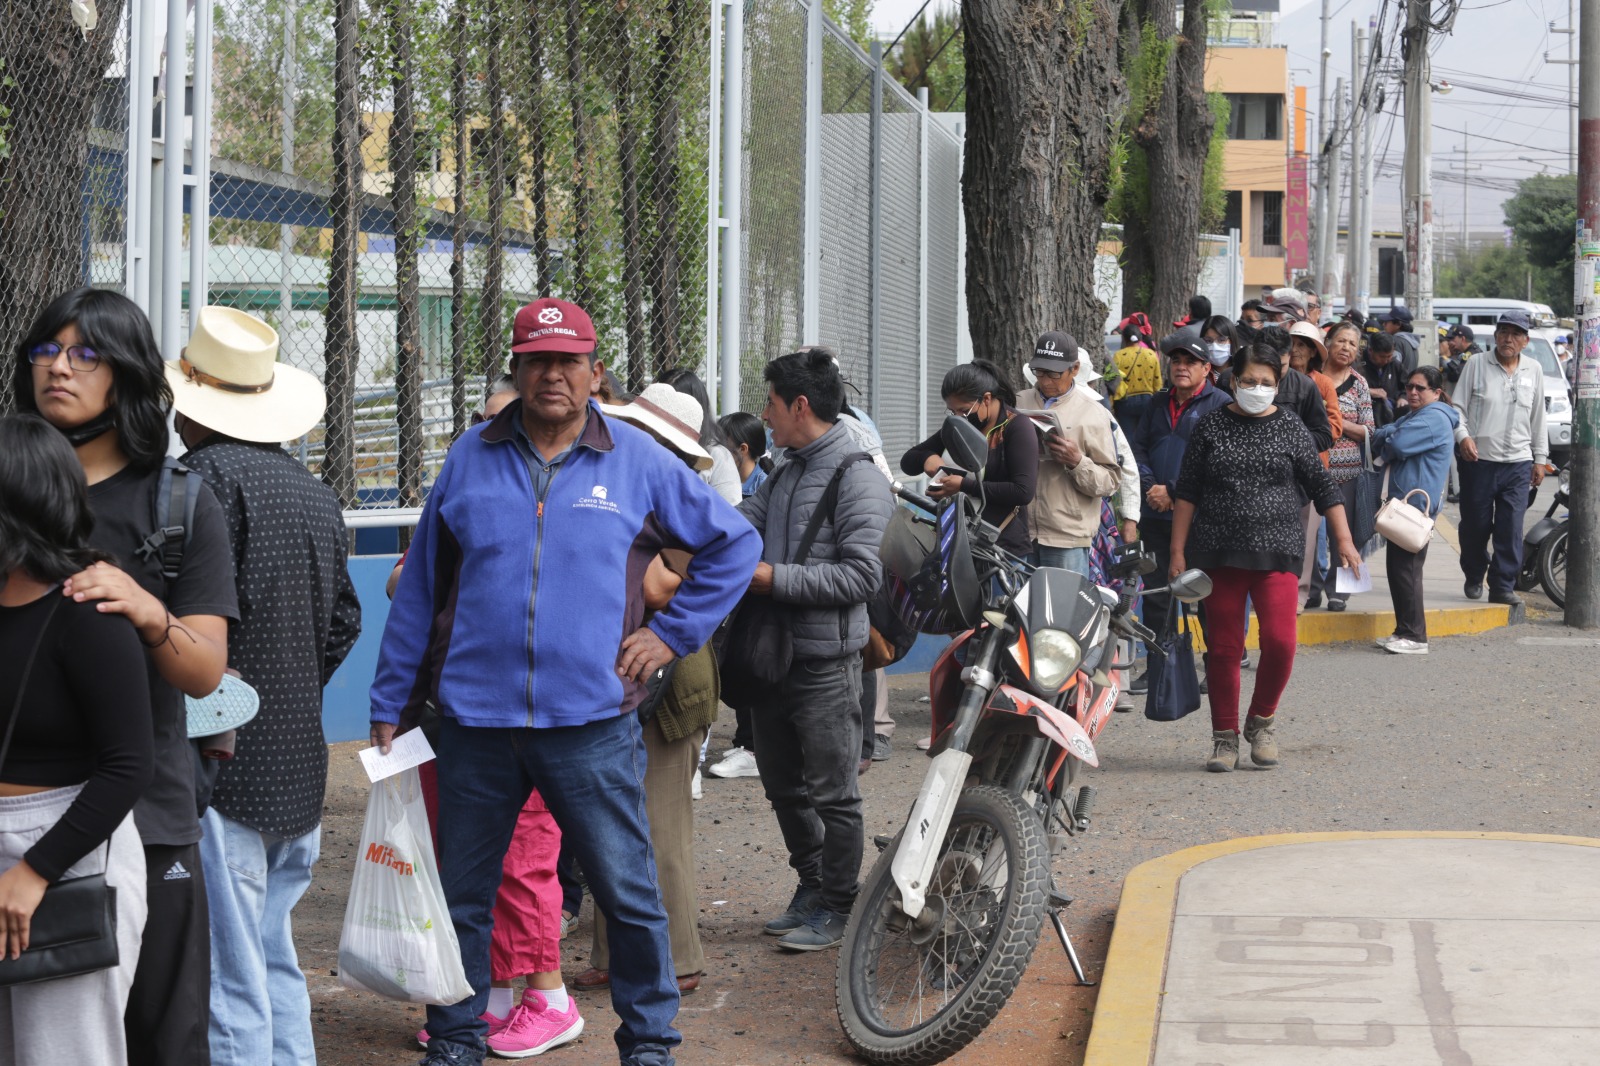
[534,1028]
[495,1025]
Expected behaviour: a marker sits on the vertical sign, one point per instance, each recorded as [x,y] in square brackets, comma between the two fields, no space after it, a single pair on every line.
[1295,220]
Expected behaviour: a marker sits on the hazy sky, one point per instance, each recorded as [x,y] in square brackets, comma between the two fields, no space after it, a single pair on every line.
[1497,48]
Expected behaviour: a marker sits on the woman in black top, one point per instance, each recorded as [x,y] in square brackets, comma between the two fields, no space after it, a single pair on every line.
[80,750]
[978,392]
[1237,517]
[89,365]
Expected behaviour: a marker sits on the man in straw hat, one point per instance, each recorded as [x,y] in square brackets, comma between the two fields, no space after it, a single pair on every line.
[544,520]
[298,618]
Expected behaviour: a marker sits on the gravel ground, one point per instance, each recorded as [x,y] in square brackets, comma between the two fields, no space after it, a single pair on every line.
[1487,732]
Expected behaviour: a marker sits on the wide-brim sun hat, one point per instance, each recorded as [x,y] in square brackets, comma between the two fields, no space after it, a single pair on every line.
[1307,332]
[229,380]
[671,417]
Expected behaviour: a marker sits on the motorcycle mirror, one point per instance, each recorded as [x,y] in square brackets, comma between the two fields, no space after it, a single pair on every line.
[1191,586]
[966,444]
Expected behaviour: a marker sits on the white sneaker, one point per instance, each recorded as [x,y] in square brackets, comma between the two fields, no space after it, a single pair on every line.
[736,762]
[1402,646]
[1384,642]
[695,791]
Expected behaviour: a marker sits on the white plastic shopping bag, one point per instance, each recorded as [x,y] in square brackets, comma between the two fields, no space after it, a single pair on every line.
[398,940]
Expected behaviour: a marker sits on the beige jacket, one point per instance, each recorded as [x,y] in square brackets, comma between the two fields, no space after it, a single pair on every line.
[1065,512]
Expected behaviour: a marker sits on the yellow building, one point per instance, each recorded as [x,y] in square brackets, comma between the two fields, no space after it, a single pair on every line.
[1243,63]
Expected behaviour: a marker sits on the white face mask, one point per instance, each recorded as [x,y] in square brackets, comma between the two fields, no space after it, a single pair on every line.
[1255,399]
[1220,354]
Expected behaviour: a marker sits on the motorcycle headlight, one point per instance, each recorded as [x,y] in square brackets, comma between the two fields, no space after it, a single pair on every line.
[1565,479]
[1055,656]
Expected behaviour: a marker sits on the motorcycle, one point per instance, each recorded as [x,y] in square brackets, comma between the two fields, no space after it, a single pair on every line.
[948,920]
[1544,548]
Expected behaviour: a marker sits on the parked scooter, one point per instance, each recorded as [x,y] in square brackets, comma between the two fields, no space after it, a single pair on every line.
[1544,547]
[949,917]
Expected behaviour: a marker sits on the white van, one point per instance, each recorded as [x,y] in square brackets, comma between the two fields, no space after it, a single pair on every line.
[1486,312]
[1557,393]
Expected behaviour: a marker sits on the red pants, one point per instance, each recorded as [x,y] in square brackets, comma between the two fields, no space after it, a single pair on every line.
[1275,595]
[527,911]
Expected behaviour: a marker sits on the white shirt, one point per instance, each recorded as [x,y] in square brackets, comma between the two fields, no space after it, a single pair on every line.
[1503,410]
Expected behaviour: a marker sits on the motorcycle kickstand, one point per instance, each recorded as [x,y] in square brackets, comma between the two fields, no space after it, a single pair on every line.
[1072,956]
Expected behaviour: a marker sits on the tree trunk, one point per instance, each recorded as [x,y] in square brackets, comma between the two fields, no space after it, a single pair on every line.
[538,146]
[460,109]
[407,232]
[633,326]
[494,270]
[48,84]
[342,345]
[665,259]
[1043,90]
[581,198]
[1174,135]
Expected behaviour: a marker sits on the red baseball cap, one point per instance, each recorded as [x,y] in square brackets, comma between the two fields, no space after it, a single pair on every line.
[551,325]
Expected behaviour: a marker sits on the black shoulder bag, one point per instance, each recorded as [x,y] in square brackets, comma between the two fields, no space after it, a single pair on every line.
[759,649]
[74,928]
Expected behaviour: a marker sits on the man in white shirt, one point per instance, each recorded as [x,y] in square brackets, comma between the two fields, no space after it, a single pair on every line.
[1503,449]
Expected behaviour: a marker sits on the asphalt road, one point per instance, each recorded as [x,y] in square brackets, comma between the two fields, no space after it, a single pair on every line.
[1487,732]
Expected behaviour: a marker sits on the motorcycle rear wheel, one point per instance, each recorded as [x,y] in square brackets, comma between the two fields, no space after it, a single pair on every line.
[914,993]
[1553,566]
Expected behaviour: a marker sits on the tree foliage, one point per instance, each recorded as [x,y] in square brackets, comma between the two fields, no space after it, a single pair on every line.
[931,55]
[1543,216]
[854,17]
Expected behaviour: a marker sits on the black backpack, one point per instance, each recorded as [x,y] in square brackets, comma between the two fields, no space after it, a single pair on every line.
[171,518]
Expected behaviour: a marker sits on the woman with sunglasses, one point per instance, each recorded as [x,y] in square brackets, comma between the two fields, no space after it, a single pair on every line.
[1416,449]
[89,366]
[79,752]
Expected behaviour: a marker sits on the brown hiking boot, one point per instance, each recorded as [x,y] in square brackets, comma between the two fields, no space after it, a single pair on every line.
[1224,751]
[1260,732]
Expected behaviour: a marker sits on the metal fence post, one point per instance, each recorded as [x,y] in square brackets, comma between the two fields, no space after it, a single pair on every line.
[923,122]
[875,236]
[200,164]
[713,374]
[732,296]
[170,299]
[811,298]
[136,272]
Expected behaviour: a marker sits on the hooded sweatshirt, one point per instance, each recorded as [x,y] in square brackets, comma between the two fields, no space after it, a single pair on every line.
[1416,449]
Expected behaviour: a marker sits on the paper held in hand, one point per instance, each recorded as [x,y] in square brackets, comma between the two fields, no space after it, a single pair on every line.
[1348,584]
[407,750]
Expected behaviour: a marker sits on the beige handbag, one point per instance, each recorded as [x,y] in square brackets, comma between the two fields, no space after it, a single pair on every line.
[1402,524]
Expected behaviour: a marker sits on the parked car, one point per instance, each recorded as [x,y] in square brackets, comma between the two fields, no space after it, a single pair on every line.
[1557,392]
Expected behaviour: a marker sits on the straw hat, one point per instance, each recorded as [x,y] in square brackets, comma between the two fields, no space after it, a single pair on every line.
[1313,336]
[229,379]
[671,417]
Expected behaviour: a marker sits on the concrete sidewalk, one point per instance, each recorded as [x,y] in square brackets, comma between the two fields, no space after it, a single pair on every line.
[1332,948]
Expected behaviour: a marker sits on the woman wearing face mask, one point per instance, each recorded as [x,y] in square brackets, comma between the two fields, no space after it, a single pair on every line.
[1237,517]
[978,392]
[1217,335]
[1416,448]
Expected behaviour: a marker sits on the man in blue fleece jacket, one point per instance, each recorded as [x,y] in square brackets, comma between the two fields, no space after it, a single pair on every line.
[520,617]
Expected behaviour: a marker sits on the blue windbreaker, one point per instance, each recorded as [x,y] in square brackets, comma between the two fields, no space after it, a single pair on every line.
[1416,448]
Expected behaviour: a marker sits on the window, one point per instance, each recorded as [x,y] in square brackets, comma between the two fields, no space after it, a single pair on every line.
[1266,217]
[1233,211]
[1255,117]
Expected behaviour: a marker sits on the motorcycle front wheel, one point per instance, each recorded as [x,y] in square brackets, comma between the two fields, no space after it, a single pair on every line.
[1553,566]
[916,992]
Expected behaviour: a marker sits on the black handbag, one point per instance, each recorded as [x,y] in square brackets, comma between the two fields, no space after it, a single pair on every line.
[1174,686]
[74,928]
[759,649]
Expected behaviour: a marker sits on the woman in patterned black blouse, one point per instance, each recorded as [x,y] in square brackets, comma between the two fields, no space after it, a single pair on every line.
[1237,517]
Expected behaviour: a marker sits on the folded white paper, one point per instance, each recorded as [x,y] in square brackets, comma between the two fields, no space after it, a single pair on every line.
[408,750]
[1348,583]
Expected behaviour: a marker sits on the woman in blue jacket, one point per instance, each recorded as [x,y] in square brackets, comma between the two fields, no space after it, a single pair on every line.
[1416,450]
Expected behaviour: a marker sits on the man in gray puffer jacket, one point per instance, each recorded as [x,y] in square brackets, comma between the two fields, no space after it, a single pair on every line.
[808,735]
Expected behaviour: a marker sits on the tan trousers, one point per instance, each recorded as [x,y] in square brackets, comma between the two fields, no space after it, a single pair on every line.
[670,808]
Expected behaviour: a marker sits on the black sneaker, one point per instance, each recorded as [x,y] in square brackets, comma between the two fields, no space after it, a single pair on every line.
[445,1053]
[1509,598]
[1140,684]
[880,748]
[1473,589]
[804,902]
[823,929]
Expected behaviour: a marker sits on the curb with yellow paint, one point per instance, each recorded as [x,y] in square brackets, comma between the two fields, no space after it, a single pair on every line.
[1129,1005]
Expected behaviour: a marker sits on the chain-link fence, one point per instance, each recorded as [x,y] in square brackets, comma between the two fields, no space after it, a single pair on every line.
[63,195]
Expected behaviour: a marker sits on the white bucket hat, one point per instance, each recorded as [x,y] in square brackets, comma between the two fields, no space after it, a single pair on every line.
[671,417]
[229,379]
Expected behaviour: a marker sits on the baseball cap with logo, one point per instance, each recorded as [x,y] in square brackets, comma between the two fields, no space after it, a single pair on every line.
[1191,347]
[1054,351]
[1458,330]
[551,325]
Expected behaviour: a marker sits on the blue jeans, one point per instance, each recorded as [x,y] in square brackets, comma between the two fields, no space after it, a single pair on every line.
[592,779]
[260,1009]
[1494,498]
[1075,559]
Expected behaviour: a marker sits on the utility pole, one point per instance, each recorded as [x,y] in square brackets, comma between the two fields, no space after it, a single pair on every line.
[1362,175]
[1327,213]
[1356,241]
[1571,63]
[1327,281]
[1466,170]
[1419,181]
[1583,548]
